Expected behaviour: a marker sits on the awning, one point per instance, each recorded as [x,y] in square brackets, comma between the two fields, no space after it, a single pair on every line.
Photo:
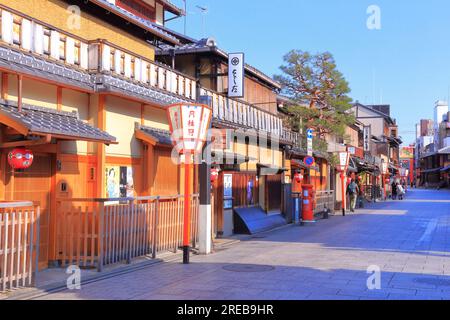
[435,170]
[227,157]
[40,121]
[162,137]
[352,166]
[445,150]
[445,169]
[265,169]
[298,163]
[153,136]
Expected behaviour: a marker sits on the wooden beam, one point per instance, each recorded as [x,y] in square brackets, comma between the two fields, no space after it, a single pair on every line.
[25,143]
[9,122]
[140,135]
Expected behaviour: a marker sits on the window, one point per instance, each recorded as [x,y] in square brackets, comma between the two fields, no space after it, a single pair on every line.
[62,49]
[17,29]
[77,52]
[47,41]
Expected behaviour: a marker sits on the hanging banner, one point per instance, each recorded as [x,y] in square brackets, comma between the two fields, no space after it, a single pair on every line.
[236,75]
[367,133]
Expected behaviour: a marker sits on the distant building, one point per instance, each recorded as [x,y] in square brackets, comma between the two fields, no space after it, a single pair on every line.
[432,150]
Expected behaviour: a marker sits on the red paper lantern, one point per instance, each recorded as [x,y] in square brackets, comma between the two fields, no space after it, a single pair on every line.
[20,158]
[298,177]
[214,174]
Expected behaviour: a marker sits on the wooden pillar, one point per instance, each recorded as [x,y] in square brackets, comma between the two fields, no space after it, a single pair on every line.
[101,158]
[52,254]
[19,92]
[4,93]
[59,98]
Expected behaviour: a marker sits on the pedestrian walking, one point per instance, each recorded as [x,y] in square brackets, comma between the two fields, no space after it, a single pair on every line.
[353,191]
[394,190]
[401,192]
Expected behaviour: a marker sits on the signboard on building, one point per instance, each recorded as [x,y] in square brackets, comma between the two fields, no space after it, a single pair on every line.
[228,191]
[367,134]
[351,150]
[384,167]
[236,75]
[407,153]
[309,142]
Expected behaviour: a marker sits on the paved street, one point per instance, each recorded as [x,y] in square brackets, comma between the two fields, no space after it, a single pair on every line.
[409,240]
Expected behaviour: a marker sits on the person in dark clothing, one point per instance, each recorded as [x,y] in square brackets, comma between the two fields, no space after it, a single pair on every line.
[394,190]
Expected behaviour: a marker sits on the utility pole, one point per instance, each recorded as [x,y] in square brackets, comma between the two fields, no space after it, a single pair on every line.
[185,15]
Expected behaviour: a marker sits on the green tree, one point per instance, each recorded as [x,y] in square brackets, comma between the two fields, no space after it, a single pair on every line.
[320,95]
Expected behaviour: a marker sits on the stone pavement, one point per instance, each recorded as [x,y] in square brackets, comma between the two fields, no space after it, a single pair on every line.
[408,240]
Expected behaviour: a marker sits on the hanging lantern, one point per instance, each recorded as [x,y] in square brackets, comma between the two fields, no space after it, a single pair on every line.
[214,174]
[298,177]
[20,158]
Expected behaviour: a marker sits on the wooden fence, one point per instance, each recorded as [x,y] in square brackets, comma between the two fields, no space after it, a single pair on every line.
[99,232]
[19,239]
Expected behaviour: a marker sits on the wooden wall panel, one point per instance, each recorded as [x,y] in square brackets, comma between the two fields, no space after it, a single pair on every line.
[166,180]
[34,184]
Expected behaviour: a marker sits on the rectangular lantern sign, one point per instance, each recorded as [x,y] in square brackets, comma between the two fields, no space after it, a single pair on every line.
[236,75]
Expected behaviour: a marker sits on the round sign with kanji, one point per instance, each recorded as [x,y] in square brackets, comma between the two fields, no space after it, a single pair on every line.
[309,161]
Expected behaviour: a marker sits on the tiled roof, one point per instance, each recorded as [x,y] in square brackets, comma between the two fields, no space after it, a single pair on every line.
[109,83]
[203,46]
[40,120]
[161,136]
[33,65]
[147,24]
[29,64]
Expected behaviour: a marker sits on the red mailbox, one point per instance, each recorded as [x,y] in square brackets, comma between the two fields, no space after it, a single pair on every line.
[308,203]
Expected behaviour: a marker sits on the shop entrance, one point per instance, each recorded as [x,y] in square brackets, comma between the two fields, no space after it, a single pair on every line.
[34,184]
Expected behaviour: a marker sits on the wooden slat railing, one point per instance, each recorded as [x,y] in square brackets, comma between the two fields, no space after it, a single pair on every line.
[19,244]
[244,114]
[99,232]
[56,45]
[42,39]
[105,56]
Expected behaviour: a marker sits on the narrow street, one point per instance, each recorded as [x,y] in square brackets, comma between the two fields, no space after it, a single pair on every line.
[409,241]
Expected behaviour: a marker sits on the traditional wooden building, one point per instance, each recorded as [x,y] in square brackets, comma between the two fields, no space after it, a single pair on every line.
[251,186]
[81,90]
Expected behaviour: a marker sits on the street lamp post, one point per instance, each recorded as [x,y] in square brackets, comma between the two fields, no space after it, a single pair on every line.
[189,124]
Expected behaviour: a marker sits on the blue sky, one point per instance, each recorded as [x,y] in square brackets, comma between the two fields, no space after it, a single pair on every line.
[405,64]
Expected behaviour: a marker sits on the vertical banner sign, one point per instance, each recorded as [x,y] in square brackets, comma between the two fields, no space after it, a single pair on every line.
[367,132]
[236,75]
[344,159]
[309,140]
